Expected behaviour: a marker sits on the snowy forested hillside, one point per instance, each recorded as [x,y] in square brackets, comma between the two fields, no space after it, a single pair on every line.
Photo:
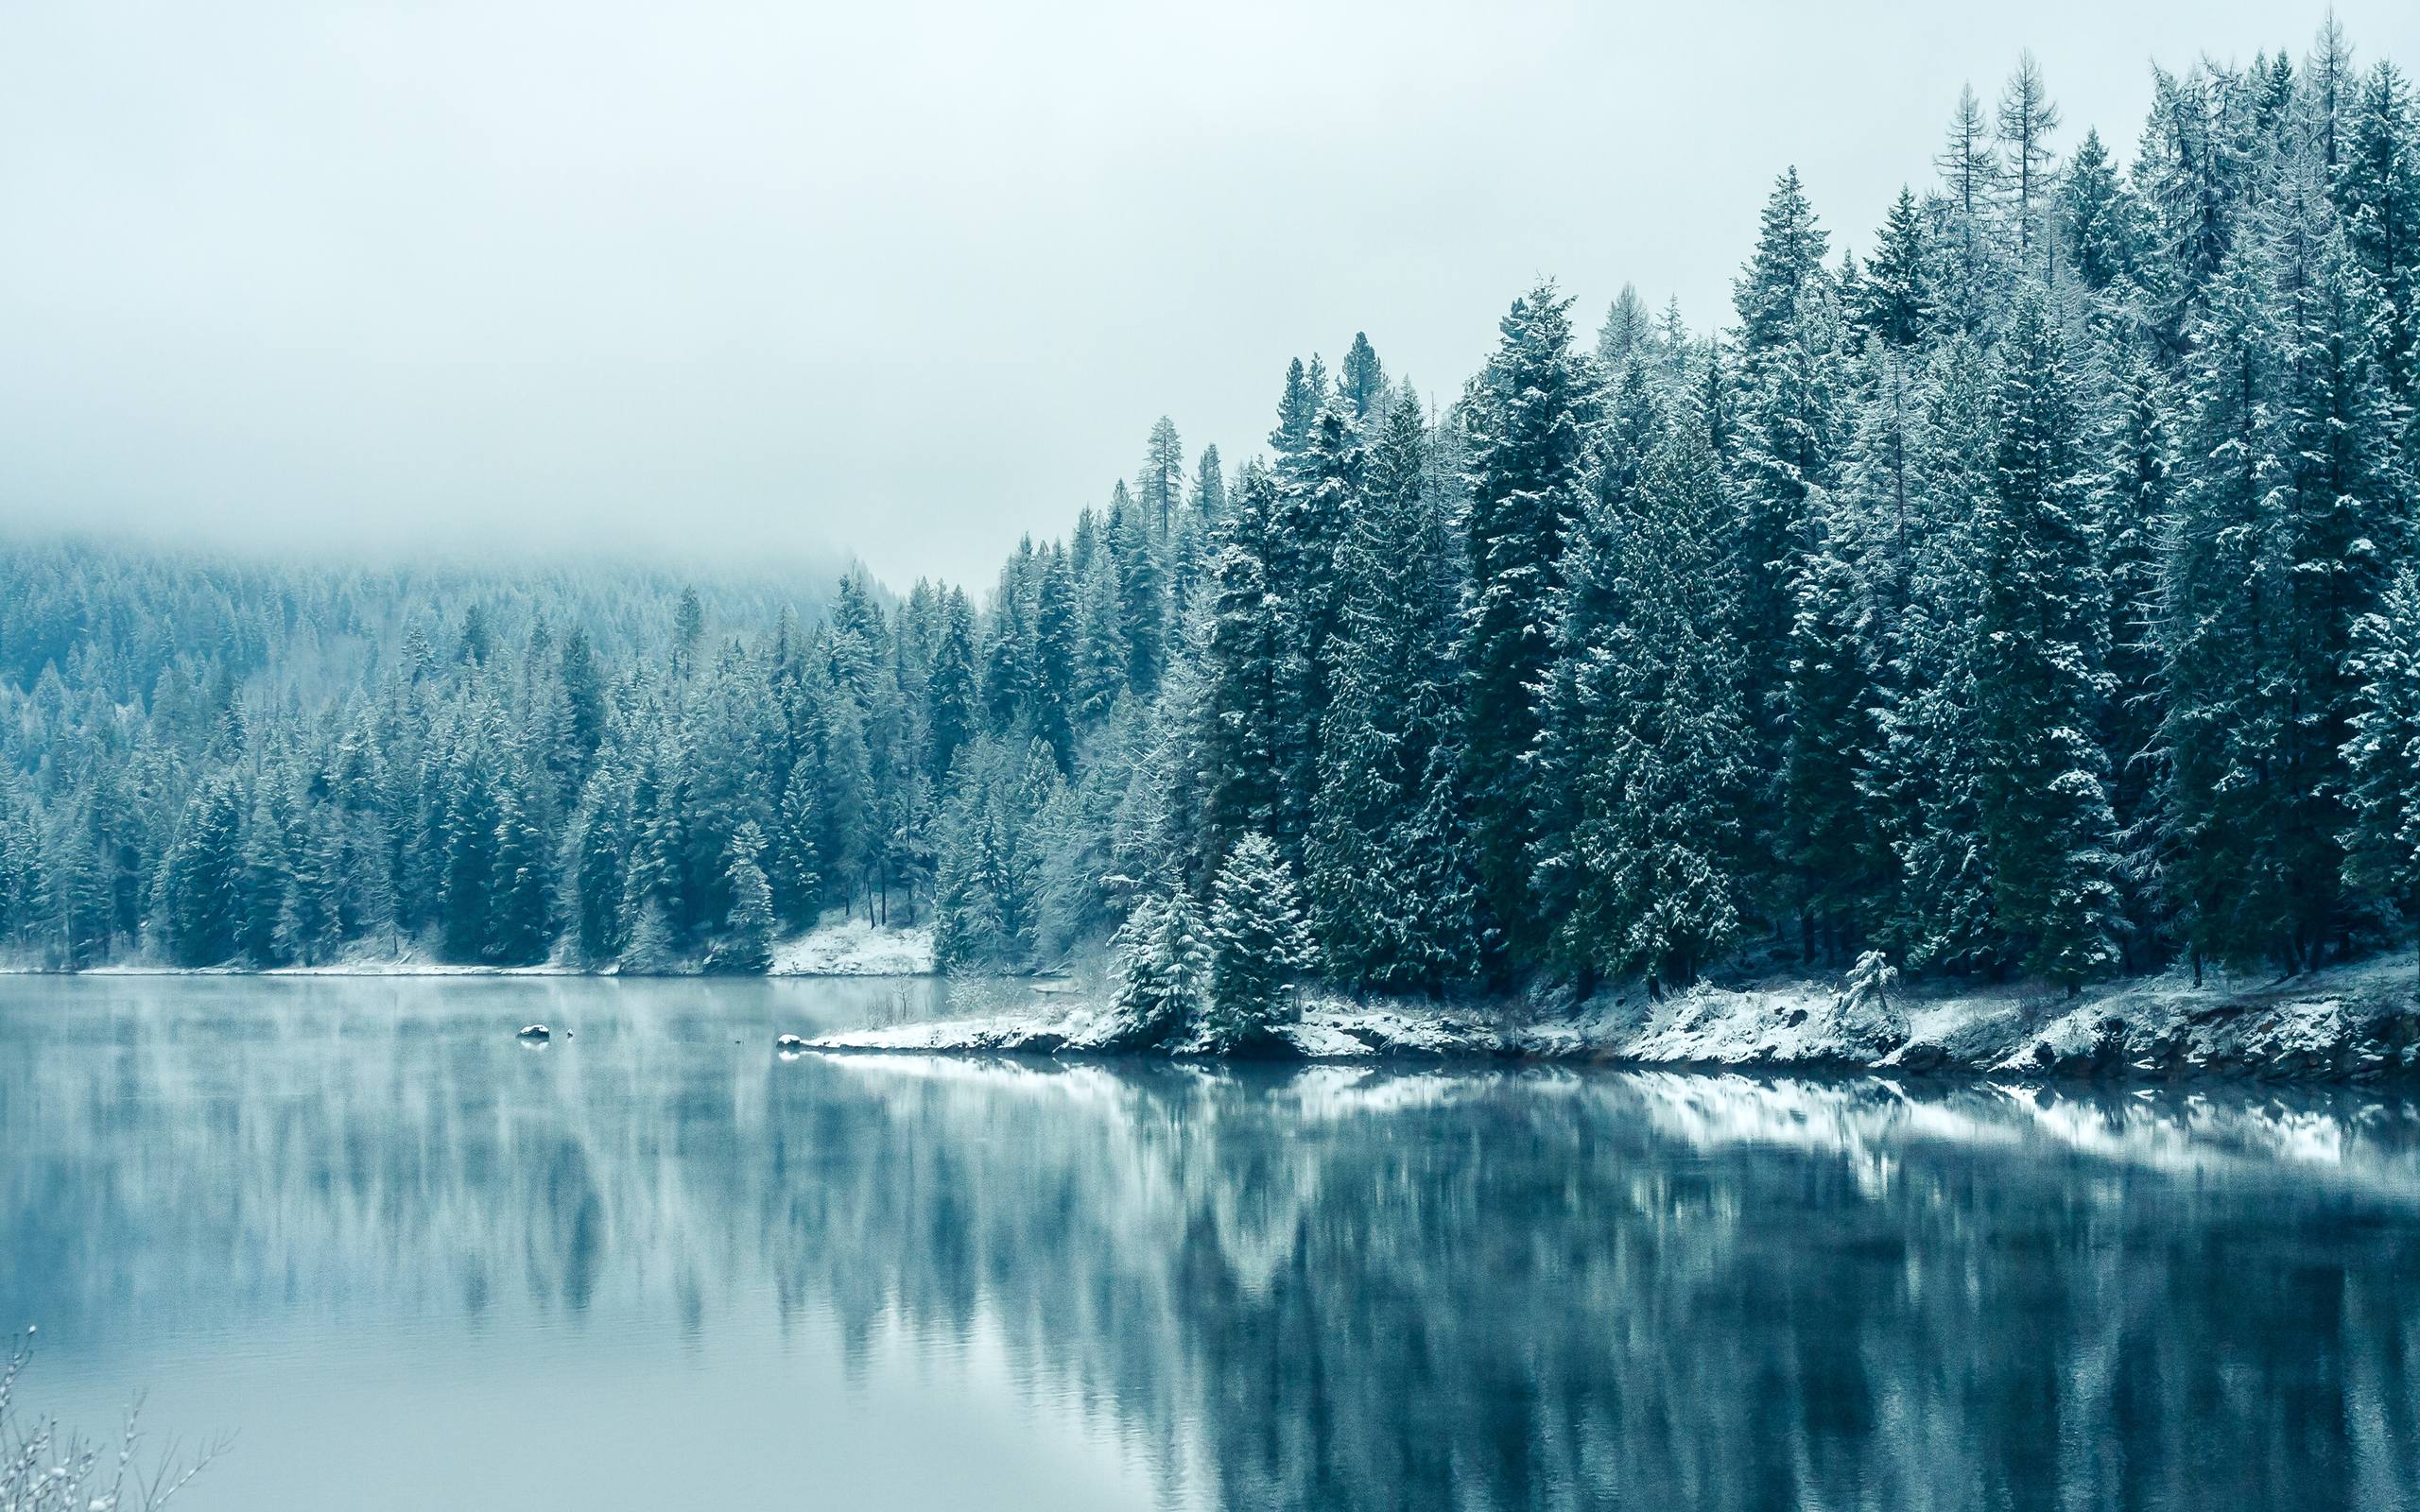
[2029,592]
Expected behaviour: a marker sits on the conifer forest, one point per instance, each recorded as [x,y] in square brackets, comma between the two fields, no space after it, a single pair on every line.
[2021,584]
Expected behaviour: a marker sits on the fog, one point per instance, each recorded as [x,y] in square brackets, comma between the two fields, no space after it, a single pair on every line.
[764,281]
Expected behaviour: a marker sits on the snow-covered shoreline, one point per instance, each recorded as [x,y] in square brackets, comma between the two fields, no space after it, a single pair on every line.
[2355,1022]
[845,947]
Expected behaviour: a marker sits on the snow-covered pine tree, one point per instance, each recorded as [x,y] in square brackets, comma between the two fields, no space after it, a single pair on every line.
[1628,332]
[1250,674]
[747,943]
[2336,527]
[1159,488]
[2040,644]
[264,922]
[1361,381]
[2376,182]
[467,881]
[1056,640]
[522,925]
[1790,248]
[1101,670]
[1827,835]
[952,692]
[2134,502]
[1796,427]
[1655,730]
[1315,513]
[594,860]
[1924,790]
[1163,956]
[1142,594]
[1259,944]
[1528,418]
[2382,842]
[2097,218]
[1895,300]
[1972,260]
[650,950]
[1386,861]
[1298,405]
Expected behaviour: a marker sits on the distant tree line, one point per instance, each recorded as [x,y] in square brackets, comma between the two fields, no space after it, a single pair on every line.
[2035,595]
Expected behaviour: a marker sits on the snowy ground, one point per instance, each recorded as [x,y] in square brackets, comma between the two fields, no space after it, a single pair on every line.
[852,947]
[2349,1023]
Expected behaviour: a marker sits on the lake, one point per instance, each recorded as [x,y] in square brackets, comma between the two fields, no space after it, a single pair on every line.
[410,1262]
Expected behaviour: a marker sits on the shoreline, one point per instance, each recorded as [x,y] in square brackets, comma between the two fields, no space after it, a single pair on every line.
[2354,1024]
[2351,1025]
[842,949]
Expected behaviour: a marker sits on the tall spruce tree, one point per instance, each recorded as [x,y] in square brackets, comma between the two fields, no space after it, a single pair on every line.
[1388,864]
[1654,734]
[2382,839]
[2041,641]
[1528,418]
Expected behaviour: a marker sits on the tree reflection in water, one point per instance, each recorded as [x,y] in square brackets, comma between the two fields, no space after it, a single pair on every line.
[1324,1287]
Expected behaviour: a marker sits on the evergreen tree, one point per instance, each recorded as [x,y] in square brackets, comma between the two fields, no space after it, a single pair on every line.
[1795,431]
[1259,947]
[268,886]
[951,693]
[1895,303]
[1528,418]
[584,701]
[1655,731]
[1361,383]
[2040,642]
[2136,509]
[2096,217]
[1159,488]
[597,839]
[1387,863]
[2382,841]
[793,858]
[746,944]
[2377,183]
[1826,833]
[1056,635]
[1163,958]
[1924,789]
[1789,258]
[1249,673]
[198,889]
[1142,597]
[1101,669]
[1298,405]
[1628,334]
[522,926]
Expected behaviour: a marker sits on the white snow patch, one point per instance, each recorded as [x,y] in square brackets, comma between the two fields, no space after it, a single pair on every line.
[852,947]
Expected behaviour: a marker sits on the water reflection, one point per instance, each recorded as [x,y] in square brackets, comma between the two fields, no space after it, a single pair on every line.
[1330,1288]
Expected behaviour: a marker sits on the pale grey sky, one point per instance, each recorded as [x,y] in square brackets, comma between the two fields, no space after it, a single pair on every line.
[907,279]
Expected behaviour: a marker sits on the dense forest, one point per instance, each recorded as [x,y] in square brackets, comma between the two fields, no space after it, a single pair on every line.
[2032,594]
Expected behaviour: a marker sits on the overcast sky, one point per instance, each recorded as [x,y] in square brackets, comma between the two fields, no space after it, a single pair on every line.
[903,279]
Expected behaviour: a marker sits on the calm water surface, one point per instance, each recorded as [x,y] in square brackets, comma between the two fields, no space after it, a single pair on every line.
[412,1263]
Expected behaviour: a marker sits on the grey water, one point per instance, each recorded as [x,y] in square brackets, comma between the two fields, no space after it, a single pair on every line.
[408,1262]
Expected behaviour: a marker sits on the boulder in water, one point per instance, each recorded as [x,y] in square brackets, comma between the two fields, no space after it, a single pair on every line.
[790,1044]
[535,1033]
